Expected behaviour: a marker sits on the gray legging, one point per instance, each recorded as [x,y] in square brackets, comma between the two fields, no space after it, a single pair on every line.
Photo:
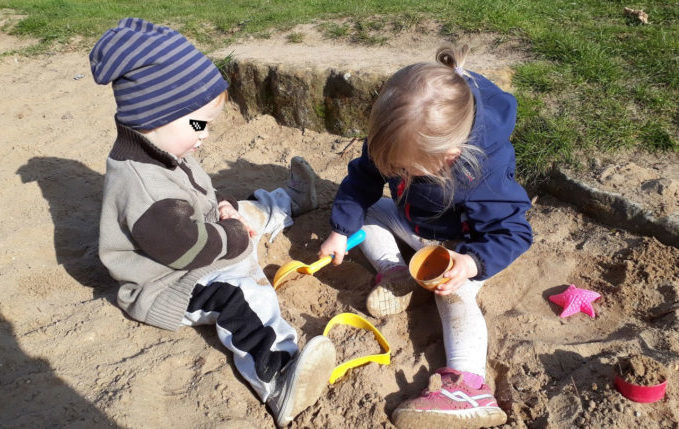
[465,336]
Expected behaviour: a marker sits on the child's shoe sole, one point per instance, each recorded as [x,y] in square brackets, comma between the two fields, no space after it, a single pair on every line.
[460,419]
[302,186]
[311,374]
[393,299]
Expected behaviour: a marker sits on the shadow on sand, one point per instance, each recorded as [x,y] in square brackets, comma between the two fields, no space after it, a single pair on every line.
[33,396]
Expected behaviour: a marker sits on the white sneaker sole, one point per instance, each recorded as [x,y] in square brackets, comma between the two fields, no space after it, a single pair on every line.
[311,374]
[480,417]
[383,301]
[305,189]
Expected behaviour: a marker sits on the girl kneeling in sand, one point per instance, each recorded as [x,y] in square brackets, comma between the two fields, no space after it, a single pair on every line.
[439,137]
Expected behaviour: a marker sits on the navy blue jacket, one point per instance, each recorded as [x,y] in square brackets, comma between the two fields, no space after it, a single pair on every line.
[488,212]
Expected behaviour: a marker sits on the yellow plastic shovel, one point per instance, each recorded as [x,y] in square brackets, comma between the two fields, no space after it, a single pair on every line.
[301,267]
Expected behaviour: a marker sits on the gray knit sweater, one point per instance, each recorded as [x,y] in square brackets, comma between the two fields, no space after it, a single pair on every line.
[160,229]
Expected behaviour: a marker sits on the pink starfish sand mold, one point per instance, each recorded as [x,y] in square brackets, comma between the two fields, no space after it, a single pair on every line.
[575,300]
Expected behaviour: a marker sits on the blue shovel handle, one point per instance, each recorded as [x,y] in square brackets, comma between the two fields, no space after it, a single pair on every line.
[355,239]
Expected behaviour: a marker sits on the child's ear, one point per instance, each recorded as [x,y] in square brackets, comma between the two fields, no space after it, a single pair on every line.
[451,157]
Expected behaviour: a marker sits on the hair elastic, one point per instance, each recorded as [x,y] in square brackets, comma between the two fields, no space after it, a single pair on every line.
[459,70]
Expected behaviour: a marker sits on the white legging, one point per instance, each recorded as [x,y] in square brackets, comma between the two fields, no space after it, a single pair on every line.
[465,336]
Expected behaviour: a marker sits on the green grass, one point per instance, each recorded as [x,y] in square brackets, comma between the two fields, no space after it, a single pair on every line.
[295,37]
[600,80]
[333,30]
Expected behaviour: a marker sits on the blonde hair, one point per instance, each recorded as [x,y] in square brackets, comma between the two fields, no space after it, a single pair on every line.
[423,111]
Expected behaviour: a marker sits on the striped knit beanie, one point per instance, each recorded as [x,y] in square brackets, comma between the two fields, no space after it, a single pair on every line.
[158,75]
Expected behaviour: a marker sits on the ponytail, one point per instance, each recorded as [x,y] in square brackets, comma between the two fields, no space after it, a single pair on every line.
[453,58]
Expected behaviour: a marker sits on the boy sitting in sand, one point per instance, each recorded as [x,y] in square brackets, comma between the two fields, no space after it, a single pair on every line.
[182,255]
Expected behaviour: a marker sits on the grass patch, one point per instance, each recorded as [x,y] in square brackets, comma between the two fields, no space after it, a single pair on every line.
[224,62]
[405,21]
[295,37]
[333,30]
[539,139]
[601,81]
[655,137]
[540,76]
[365,31]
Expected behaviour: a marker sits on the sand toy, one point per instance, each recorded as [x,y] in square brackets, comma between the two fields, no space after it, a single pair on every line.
[575,300]
[428,265]
[357,321]
[300,267]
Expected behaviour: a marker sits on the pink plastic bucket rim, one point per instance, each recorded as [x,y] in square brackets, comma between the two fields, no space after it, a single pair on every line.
[637,393]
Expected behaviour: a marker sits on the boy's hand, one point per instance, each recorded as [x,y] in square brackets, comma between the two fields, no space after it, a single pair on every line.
[227,211]
[464,268]
[335,244]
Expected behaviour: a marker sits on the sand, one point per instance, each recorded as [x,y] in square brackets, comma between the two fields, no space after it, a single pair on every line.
[70,358]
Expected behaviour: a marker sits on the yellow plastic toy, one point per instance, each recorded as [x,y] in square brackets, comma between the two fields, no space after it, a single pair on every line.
[357,321]
[301,267]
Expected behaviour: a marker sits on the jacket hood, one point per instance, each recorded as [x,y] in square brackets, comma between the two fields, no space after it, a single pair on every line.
[495,114]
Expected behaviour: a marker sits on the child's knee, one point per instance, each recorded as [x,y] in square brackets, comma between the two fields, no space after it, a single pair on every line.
[469,290]
[253,213]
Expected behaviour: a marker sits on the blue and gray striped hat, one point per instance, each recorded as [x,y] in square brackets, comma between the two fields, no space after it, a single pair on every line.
[158,75]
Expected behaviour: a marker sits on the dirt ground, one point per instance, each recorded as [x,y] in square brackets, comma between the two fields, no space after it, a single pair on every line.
[70,358]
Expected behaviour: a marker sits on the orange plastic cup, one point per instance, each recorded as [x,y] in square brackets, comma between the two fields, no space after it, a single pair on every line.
[428,265]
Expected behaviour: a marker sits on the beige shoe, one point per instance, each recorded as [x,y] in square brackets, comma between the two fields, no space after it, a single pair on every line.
[301,186]
[392,293]
[302,380]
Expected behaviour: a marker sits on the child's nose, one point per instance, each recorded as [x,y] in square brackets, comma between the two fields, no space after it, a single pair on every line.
[203,134]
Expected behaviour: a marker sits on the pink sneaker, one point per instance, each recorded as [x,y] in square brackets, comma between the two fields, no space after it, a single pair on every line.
[449,402]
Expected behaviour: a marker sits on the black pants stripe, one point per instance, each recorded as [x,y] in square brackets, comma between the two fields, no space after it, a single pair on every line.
[247,331]
[248,322]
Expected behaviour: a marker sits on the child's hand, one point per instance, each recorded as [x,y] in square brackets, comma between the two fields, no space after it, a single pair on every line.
[335,244]
[227,211]
[464,268]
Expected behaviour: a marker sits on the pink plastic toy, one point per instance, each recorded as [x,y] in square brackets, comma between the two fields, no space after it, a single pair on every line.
[638,393]
[575,300]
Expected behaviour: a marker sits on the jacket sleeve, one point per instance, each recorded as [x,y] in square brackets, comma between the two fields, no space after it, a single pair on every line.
[228,198]
[164,226]
[359,190]
[168,234]
[496,212]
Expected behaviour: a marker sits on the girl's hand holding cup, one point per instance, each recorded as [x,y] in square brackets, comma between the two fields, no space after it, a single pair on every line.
[464,268]
[440,270]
